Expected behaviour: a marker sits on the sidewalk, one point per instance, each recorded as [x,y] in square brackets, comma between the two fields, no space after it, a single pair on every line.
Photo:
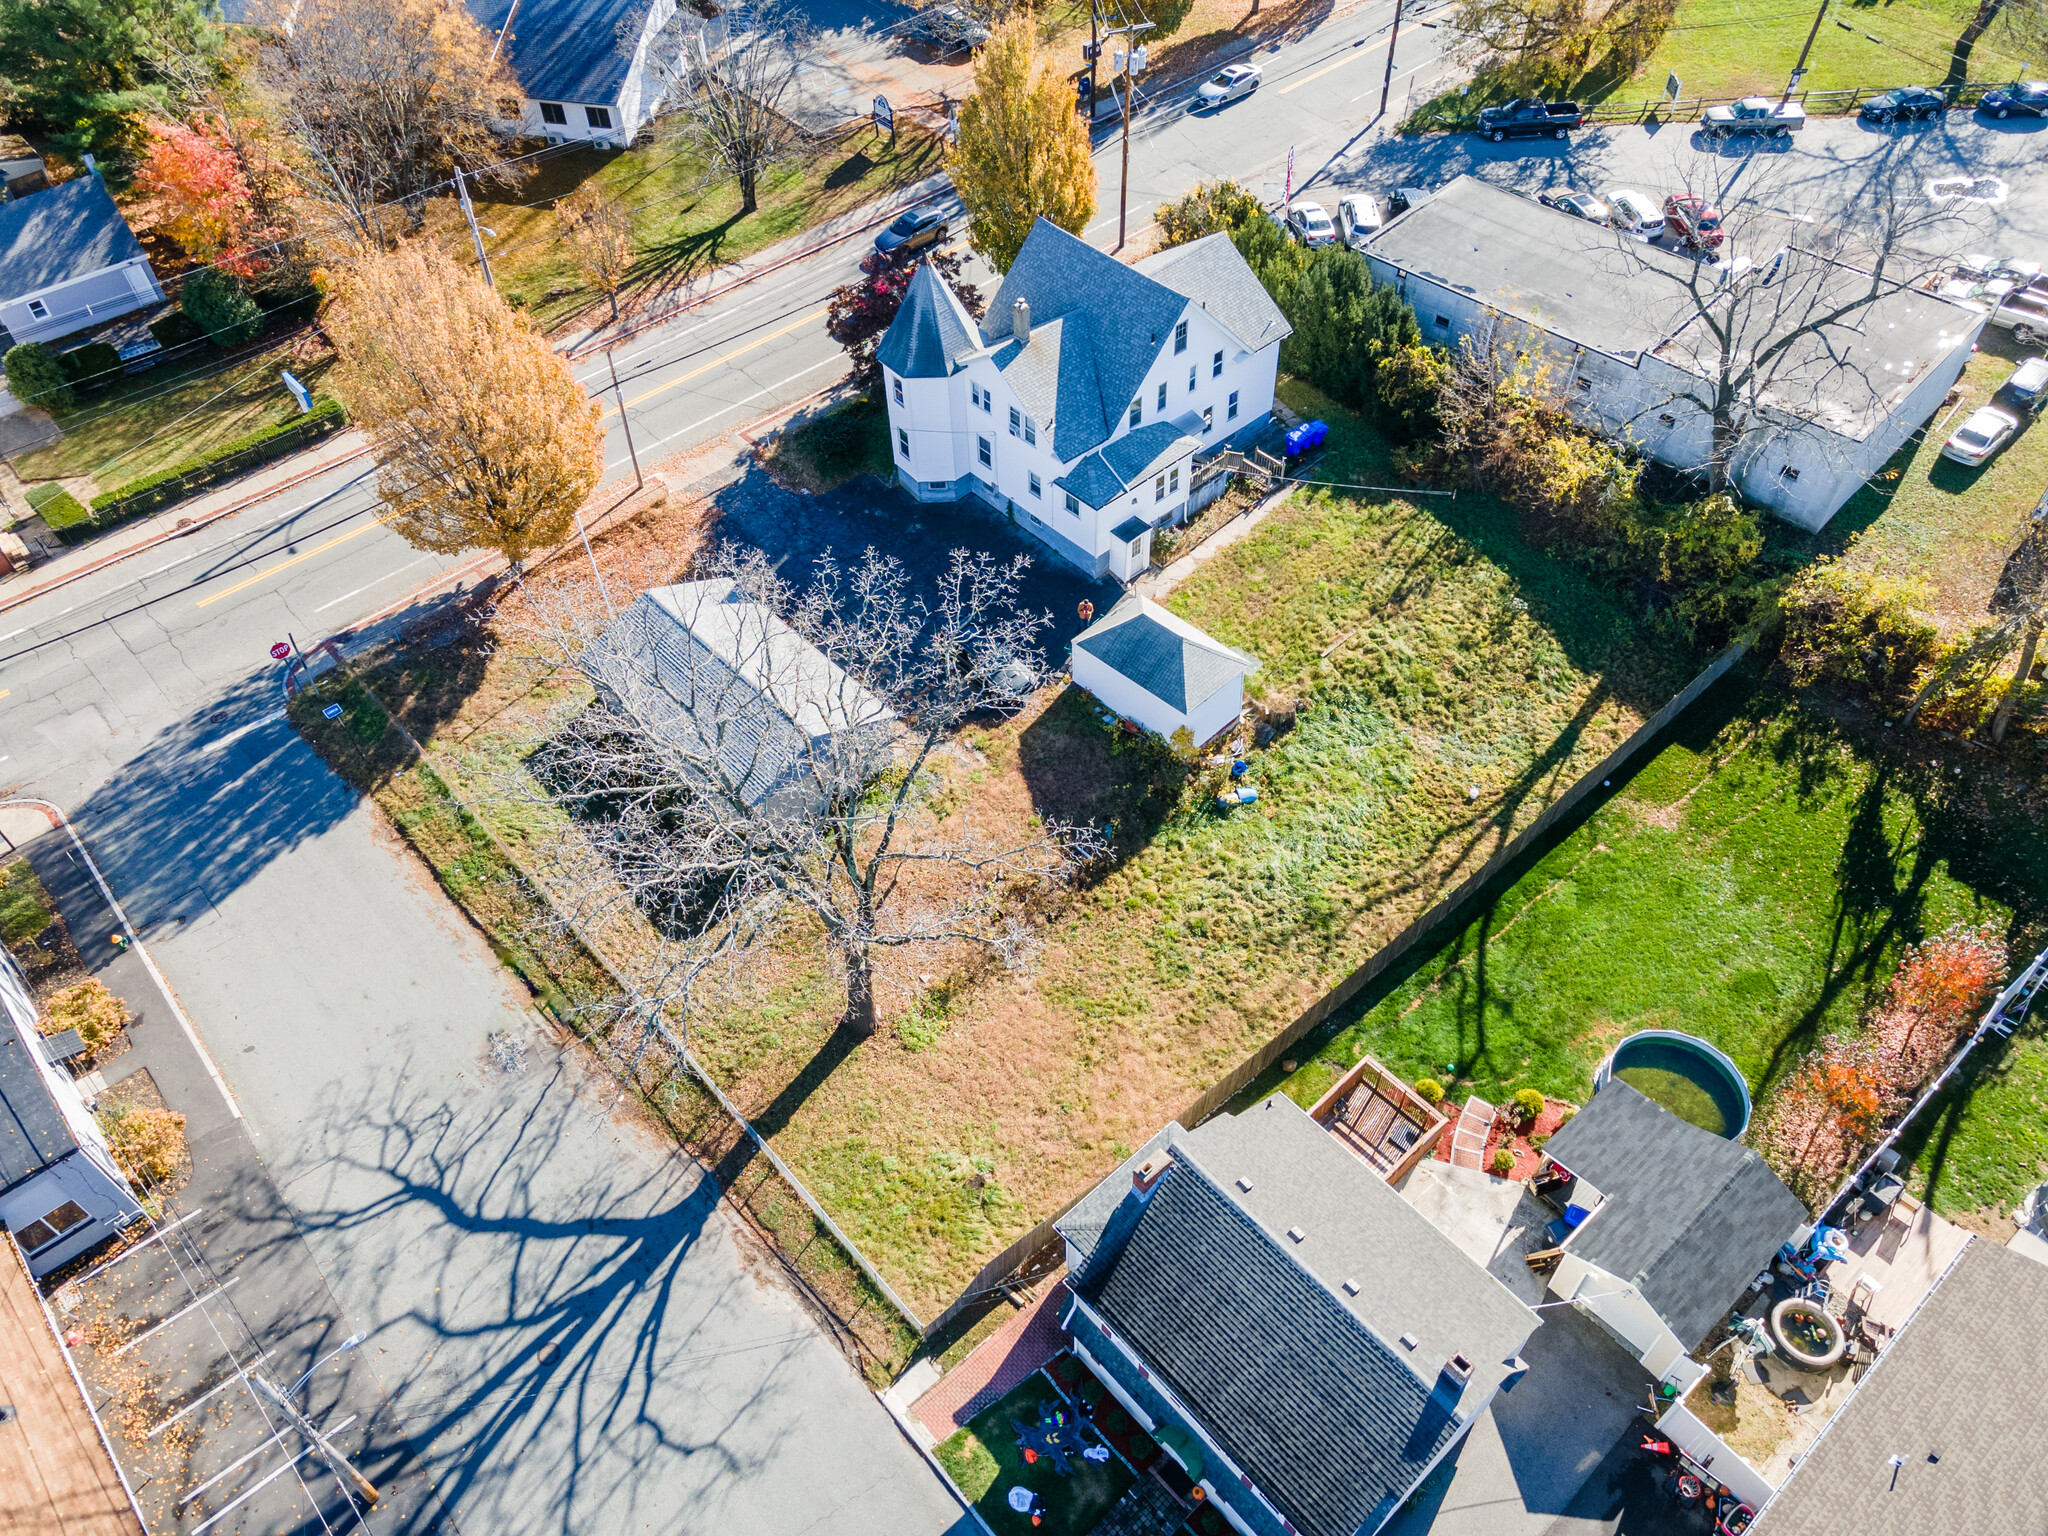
[231,1279]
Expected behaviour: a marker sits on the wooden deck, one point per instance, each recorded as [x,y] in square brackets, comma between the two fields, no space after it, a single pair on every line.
[56,1476]
[1380,1118]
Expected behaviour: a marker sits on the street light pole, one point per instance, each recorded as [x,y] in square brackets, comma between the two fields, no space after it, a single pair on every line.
[1387,86]
[336,1462]
[1799,69]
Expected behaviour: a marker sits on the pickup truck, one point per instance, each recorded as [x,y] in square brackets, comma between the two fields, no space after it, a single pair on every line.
[1526,117]
[1754,114]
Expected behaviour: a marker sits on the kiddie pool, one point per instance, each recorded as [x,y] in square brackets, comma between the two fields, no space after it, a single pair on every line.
[1685,1075]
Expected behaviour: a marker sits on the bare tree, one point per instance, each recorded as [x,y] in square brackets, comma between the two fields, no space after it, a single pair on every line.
[1767,336]
[2017,26]
[382,98]
[725,83]
[758,753]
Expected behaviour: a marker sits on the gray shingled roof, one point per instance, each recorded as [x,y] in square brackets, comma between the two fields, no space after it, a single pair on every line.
[1112,470]
[1689,1217]
[1173,667]
[33,1131]
[563,50]
[50,237]
[1961,1397]
[1093,481]
[1054,374]
[1303,1386]
[1211,273]
[1129,317]
[932,330]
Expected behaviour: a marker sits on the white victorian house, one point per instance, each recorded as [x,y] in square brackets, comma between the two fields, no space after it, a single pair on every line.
[1080,407]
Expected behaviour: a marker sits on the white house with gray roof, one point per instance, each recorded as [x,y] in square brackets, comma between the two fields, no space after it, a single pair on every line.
[583,68]
[1081,405]
[68,260]
[1156,669]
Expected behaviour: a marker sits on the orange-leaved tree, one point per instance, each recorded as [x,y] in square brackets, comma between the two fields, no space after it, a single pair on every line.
[1934,999]
[1833,1106]
[484,438]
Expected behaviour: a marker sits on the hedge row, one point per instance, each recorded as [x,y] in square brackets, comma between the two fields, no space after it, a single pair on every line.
[150,492]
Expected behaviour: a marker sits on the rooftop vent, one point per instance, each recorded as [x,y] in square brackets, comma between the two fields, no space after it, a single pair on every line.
[1409,1341]
[1296,1233]
[1350,1287]
[1245,1185]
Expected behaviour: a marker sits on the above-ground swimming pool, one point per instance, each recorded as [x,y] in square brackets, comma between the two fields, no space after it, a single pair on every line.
[1685,1075]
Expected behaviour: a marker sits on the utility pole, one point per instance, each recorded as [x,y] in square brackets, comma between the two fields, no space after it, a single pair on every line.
[1134,64]
[1799,69]
[469,213]
[638,479]
[336,1462]
[1387,86]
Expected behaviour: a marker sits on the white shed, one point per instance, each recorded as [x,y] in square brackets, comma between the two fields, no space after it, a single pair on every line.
[1160,672]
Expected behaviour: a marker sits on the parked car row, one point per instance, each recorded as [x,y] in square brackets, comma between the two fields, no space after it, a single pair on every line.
[2011,293]
[1990,427]
[1692,223]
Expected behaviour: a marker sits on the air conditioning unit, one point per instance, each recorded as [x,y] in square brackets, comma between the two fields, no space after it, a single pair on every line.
[556,139]
[603,144]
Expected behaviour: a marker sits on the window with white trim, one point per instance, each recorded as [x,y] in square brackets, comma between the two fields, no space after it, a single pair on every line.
[1073,504]
[1216,366]
[1173,481]
[1191,380]
[1137,409]
[1208,417]
[1030,431]
[45,1230]
[1016,422]
[1034,485]
[986,452]
[600,117]
[1162,397]
[1159,488]
[898,383]
[551,112]
[903,442]
[1180,338]
[1231,415]
[38,310]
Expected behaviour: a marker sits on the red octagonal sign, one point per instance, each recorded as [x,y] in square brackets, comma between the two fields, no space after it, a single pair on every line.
[280,650]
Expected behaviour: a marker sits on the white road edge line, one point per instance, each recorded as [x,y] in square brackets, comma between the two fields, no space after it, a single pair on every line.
[359,591]
[222,743]
[197,1301]
[217,1387]
[249,1493]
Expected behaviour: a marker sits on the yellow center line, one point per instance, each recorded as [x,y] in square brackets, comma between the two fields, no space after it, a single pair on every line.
[717,362]
[1348,58]
[285,565]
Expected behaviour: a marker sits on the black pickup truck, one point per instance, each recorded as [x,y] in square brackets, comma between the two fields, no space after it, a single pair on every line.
[1526,117]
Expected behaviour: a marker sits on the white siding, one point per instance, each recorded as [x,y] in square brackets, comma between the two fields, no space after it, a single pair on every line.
[103,295]
[1123,697]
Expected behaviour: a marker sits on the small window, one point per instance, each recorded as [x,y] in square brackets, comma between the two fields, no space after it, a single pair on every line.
[1216,366]
[1016,422]
[974,393]
[1030,431]
[1073,504]
[1668,419]
[937,485]
[38,309]
[1173,481]
[1232,414]
[986,452]
[1034,485]
[903,442]
[1137,409]
[1180,338]
[600,117]
[1443,322]
[1789,472]
[1162,396]
[988,402]
[1208,417]
[1191,381]
[898,385]
[551,112]
[1159,489]
[47,1229]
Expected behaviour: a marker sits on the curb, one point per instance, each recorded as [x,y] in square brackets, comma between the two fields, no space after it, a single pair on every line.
[194,525]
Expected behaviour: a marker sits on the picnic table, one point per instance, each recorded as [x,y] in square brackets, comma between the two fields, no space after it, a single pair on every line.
[1056,1436]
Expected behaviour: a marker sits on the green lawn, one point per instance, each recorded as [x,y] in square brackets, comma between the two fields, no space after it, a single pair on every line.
[153,420]
[1752,884]
[1724,48]
[985,1464]
[681,227]
[25,908]
[833,447]
[1937,520]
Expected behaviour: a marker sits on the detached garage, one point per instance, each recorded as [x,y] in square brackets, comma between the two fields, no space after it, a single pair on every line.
[1160,672]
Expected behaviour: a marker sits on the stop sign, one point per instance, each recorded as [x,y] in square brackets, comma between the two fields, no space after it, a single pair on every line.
[280,650]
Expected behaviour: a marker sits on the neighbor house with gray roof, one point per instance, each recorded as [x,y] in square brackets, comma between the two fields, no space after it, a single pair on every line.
[1158,671]
[61,1192]
[68,260]
[1674,1223]
[583,67]
[1079,408]
[1303,1342]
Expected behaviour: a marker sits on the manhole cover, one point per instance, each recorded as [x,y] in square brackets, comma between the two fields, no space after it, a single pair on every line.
[1967,189]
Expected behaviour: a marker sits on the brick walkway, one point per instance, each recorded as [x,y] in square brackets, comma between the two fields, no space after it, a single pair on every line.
[1003,1359]
[1468,1140]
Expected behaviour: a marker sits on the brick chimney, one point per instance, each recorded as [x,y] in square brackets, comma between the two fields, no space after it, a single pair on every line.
[1020,322]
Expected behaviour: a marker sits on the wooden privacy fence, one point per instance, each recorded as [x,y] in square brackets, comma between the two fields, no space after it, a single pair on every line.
[1222,1092]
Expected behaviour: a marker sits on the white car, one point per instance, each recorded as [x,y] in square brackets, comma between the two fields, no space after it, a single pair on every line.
[1310,225]
[1359,218]
[1233,83]
[1995,267]
[1976,440]
[1635,214]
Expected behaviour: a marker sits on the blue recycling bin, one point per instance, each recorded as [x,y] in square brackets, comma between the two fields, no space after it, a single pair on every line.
[1306,438]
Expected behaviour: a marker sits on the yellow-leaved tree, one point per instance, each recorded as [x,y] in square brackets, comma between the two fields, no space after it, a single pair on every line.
[1023,149]
[484,439]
